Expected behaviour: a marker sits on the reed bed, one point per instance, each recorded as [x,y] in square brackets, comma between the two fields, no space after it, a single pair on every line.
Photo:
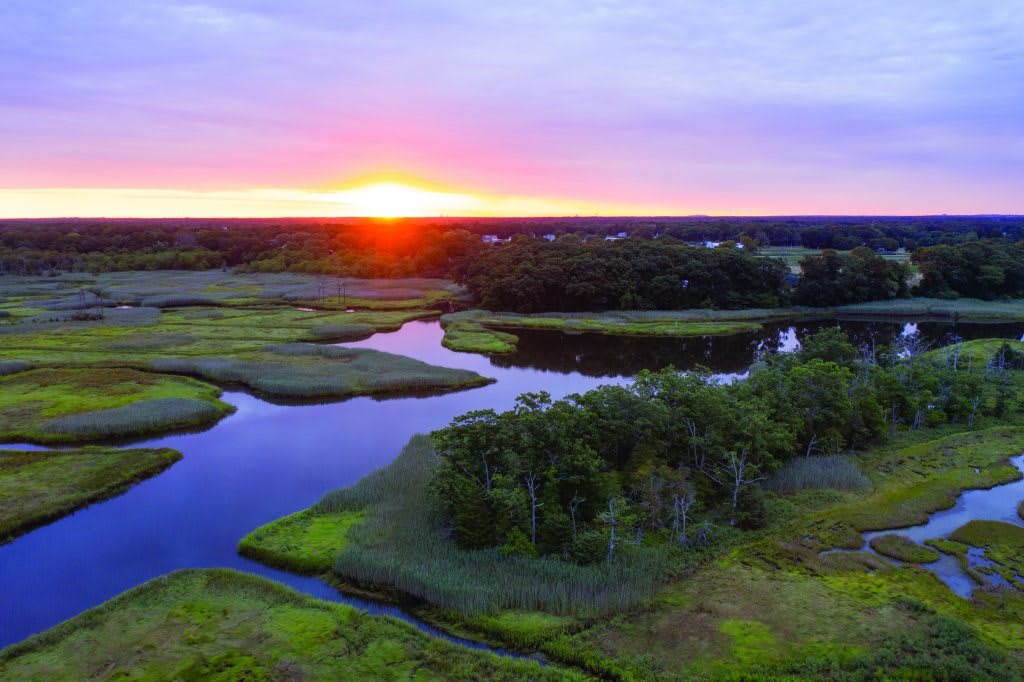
[145,416]
[301,370]
[402,544]
[830,471]
[151,341]
[179,301]
[341,332]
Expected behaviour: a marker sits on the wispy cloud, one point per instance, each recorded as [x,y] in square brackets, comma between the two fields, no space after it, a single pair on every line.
[764,107]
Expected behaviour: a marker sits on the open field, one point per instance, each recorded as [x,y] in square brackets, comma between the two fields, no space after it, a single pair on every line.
[39,486]
[792,255]
[82,405]
[219,624]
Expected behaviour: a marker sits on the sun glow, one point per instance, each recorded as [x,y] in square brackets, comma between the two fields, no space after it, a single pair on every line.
[399,200]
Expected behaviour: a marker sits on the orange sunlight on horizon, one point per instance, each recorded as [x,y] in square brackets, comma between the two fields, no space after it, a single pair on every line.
[400,200]
[382,196]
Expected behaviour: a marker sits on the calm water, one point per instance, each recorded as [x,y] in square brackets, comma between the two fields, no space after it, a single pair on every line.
[269,460]
[995,504]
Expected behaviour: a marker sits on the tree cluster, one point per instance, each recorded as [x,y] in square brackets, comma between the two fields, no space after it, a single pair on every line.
[984,269]
[618,466]
[834,278]
[569,274]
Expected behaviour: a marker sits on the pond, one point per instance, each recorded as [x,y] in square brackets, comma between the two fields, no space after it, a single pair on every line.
[268,460]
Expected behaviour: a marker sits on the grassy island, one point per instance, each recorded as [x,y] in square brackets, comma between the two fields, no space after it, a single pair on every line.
[83,405]
[225,625]
[37,487]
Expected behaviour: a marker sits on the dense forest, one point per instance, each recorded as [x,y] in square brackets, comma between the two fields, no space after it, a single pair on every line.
[629,465]
[560,264]
[984,269]
[530,275]
[835,278]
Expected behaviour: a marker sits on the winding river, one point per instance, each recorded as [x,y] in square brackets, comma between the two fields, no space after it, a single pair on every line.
[268,460]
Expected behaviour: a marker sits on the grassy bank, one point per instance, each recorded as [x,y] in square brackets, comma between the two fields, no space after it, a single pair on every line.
[914,481]
[40,486]
[482,331]
[219,624]
[83,405]
[305,542]
[485,332]
[386,533]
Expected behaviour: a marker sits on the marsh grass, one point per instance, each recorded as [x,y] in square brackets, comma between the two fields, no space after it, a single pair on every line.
[341,332]
[217,624]
[401,544]
[81,405]
[146,341]
[142,417]
[830,471]
[179,301]
[304,542]
[40,486]
[903,548]
[302,371]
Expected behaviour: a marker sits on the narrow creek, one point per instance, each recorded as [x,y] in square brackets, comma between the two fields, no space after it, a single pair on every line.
[998,503]
[268,460]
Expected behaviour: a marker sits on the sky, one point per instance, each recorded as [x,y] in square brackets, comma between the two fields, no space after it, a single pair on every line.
[451,107]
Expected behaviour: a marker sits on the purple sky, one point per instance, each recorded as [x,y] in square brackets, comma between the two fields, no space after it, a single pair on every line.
[582,107]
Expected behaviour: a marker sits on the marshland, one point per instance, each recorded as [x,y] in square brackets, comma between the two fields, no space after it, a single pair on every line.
[379,477]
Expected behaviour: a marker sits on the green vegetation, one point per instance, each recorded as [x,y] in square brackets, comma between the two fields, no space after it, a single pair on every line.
[529,276]
[826,471]
[903,548]
[219,624]
[39,486]
[627,464]
[310,371]
[988,533]
[1003,545]
[251,338]
[481,331]
[984,269]
[927,477]
[305,542]
[82,405]
[713,601]
[832,278]
[400,545]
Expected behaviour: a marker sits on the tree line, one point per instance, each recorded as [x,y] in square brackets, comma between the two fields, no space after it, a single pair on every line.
[592,475]
[984,269]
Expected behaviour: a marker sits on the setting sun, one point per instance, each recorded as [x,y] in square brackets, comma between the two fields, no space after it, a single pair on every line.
[398,200]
